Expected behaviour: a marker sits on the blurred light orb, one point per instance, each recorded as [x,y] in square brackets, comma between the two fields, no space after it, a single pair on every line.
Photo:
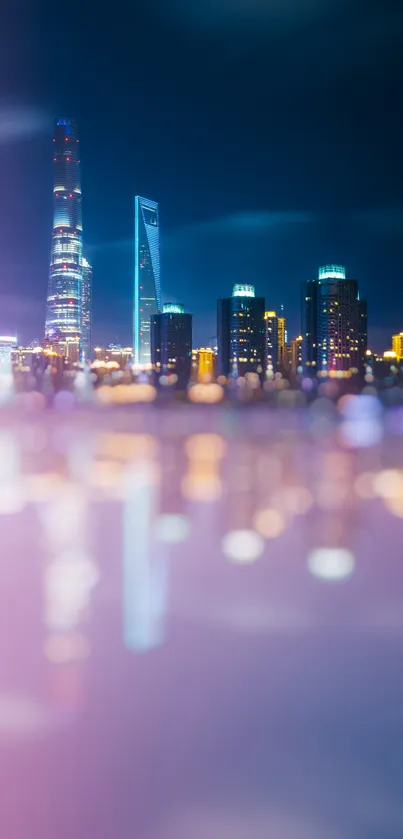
[269,523]
[242,546]
[331,563]
[364,485]
[389,483]
[171,528]
[207,393]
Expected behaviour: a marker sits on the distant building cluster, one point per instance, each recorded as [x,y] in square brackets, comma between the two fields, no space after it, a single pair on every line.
[250,338]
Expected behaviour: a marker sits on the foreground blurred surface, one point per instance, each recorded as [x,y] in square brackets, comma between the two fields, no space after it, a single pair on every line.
[201,622]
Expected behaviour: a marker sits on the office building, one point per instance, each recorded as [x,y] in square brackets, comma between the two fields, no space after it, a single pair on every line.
[397,346]
[171,342]
[86,311]
[63,309]
[147,284]
[241,331]
[334,322]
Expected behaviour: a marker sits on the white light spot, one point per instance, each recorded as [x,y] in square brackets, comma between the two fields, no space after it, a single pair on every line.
[331,563]
[172,529]
[242,545]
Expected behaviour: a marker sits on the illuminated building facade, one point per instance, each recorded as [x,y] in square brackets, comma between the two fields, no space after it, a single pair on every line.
[271,339]
[147,283]
[334,322]
[397,346]
[204,364]
[171,342]
[241,332]
[63,310]
[281,343]
[86,310]
[113,356]
[296,355]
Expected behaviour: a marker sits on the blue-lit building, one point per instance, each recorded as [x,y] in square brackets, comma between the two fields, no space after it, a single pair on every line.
[241,332]
[171,342]
[147,283]
[334,322]
[86,311]
[63,309]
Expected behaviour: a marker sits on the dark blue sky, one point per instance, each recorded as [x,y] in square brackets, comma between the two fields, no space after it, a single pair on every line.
[270,131]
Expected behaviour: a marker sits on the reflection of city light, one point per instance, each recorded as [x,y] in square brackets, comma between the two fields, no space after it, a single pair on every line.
[60,649]
[331,563]
[119,446]
[69,583]
[269,523]
[389,483]
[171,528]
[201,446]
[364,485]
[126,394]
[242,546]
[209,393]
[201,487]
[11,496]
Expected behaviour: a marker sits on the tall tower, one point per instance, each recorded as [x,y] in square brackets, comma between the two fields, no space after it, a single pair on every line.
[63,309]
[147,283]
[86,311]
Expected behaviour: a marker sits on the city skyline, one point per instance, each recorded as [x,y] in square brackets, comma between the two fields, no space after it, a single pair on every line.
[267,160]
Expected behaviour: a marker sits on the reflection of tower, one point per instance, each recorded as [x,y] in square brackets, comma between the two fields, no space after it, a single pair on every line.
[86,311]
[144,566]
[147,284]
[63,310]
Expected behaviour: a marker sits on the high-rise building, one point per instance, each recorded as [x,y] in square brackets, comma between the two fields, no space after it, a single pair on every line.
[171,342]
[334,322]
[86,310]
[63,309]
[147,283]
[271,339]
[296,355]
[397,345]
[281,344]
[241,332]
[276,342]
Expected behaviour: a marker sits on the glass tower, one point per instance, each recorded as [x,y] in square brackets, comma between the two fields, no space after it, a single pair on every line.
[63,309]
[241,331]
[171,342]
[86,310]
[147,284]
[334,322]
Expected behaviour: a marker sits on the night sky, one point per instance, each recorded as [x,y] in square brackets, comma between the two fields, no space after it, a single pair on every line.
[270,132]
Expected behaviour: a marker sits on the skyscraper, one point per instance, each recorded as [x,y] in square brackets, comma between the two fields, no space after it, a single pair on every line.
[241,332]
[63,309]
[272,339]
[333,322]
[147,284]
[86,310]
[171,342]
